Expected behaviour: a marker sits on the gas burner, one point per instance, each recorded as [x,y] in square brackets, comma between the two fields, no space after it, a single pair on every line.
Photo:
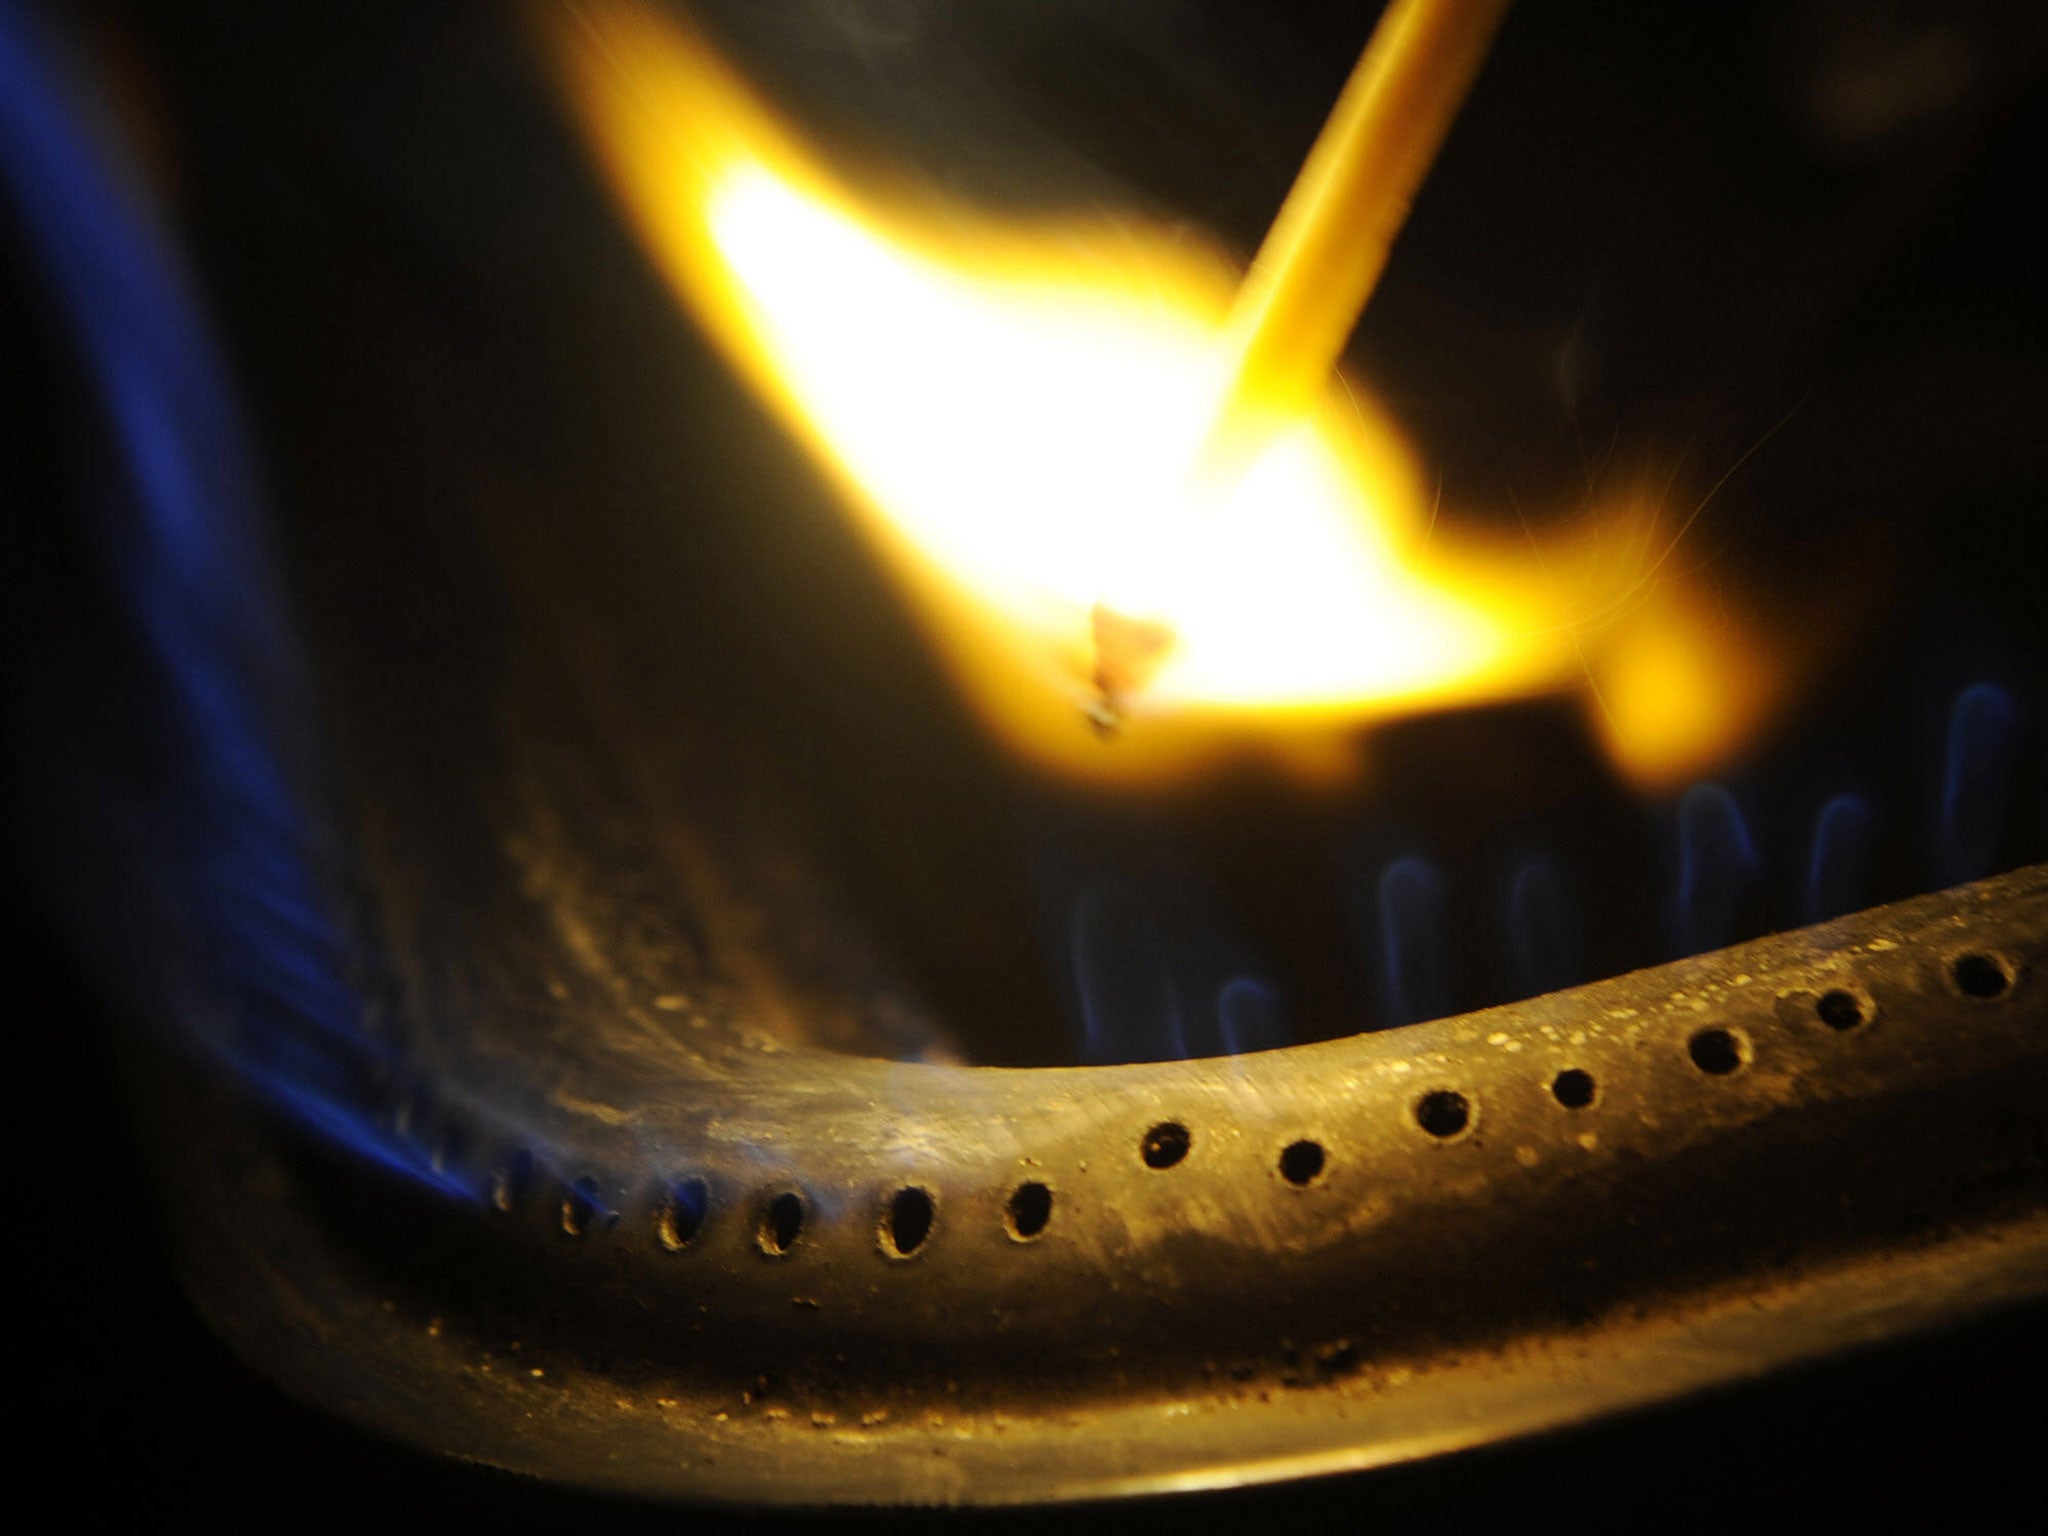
[805,1278]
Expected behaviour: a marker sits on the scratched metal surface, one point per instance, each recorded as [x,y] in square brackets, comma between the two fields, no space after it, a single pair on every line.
[1200,1324]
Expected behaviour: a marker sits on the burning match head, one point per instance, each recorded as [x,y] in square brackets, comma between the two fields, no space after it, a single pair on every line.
[1128,653]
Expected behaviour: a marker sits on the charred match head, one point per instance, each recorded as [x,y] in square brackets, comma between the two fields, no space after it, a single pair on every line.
[1128,653]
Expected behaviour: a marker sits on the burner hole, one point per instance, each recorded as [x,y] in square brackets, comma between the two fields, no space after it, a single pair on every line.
[782,1219]
[1444,1113]
[1984,977]
[1165,1144]
[1717,1052]
[908,1223]
[1573,1088]
[682,1214]
[1839,1009]
[1030,1210]
[1302,1162]
[581,1207]
[513,1183]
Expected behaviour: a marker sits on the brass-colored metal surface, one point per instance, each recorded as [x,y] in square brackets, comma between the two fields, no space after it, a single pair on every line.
[1791,1147]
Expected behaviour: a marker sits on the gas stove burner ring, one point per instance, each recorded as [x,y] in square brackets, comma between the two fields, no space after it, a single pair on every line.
[856,1281]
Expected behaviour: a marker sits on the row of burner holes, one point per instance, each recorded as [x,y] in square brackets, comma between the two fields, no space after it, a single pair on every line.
[1443,1113]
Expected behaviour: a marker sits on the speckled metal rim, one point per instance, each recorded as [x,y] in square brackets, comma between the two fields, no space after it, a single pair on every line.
[1515,1220]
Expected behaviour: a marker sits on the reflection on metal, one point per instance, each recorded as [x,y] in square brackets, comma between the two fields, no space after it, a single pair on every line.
[1154,1277]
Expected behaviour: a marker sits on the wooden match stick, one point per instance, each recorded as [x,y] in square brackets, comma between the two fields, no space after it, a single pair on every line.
[1317,267]
[1325,251]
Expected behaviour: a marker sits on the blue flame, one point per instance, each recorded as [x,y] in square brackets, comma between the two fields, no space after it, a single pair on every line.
[1717,867]
[1129,1010]
[1414,942]
[1248,1015]
[1838,869]
[210,902]
[1152,963]
[1543,928]
[1983,739]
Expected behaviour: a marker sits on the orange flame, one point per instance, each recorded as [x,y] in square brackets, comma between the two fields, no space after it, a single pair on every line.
[1011,411]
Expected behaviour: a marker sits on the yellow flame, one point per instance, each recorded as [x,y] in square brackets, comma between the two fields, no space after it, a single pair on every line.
[1013,412]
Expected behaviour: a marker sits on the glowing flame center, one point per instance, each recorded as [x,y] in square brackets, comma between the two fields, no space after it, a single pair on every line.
[1031,438]
[1014,412]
